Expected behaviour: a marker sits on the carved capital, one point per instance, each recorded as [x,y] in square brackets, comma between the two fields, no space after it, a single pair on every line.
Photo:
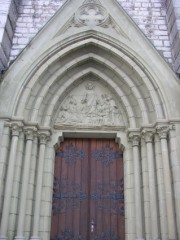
[16,128]
[134,138]
[162,131]
[30,132]
[148,135]
[44,137]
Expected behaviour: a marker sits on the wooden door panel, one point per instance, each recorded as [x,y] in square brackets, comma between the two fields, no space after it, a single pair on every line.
[88,188]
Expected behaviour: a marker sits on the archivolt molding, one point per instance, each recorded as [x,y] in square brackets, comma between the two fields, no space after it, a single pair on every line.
[54,75]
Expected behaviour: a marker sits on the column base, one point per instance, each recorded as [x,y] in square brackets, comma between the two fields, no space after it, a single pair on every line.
[35,238]
[19,238]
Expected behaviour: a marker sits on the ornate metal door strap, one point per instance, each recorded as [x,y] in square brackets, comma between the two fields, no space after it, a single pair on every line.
[109,197]
[71,154]
[106,155]
[66,196]
[67,234]
[107,235]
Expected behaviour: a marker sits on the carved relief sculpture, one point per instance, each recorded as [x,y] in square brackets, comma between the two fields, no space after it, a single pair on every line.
[92,108]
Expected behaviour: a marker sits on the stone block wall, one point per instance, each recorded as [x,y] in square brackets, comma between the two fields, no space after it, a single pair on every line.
[8,17]
[33,15]
[158,19]
[150,16]
[173,19]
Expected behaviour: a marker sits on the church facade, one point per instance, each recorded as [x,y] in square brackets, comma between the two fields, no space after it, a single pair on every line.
[90,131]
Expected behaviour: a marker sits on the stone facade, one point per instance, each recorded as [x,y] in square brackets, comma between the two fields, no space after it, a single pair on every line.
[173,20]
[90,73]
[149,15]
[154,18]
[8,18]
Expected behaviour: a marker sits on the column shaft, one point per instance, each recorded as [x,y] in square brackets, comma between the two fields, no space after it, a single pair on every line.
[4,157]
[152,192]
[137,187]
[9,182]
[38,193]
[175,164]
[161,189]
[24,189]
[129,193]
[168,190]
[145,178]
[16,186]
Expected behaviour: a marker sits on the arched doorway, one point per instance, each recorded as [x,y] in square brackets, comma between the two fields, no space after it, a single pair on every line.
[88,196]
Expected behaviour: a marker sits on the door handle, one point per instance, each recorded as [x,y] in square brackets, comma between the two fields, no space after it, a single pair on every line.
[92,226]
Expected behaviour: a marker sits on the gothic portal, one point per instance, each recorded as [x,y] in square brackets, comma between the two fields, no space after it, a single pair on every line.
[90,132]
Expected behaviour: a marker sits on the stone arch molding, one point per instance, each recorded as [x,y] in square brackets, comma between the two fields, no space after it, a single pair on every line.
[90,72]
[84,40]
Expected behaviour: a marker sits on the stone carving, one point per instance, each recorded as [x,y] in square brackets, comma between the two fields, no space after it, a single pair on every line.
[91,14]
[134,138]
[92,108]
[162,131]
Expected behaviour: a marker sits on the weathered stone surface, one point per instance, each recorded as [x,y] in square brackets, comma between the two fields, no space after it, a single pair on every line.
[173,20]
[149,15]
[158,19]
[8,17]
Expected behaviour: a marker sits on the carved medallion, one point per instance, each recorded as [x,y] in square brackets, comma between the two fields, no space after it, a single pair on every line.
[91,14]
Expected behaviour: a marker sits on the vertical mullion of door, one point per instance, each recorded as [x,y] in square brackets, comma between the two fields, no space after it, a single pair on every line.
[106,182]
[77,186]
[93,186]
[63,189]
[84,206]
[55,215]
[120,177]
[114,169]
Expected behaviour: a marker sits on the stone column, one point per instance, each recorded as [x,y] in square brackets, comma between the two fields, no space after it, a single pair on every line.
[145,177]
[129,192]
[175,164]
[163,131]
[5,142]
[43,137]
[16,187]
[135,138]
[161,190]
[16,128]
[152,184]
[29,133]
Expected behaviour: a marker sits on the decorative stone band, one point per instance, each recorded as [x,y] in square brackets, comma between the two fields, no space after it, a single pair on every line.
[162,131]
[31,131]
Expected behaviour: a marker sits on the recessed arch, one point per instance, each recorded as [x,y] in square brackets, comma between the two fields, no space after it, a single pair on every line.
[49,65]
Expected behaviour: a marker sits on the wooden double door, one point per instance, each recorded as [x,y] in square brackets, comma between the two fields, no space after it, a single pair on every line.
[88,196]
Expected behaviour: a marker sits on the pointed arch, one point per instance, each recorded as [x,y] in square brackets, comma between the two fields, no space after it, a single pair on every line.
[124,70]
